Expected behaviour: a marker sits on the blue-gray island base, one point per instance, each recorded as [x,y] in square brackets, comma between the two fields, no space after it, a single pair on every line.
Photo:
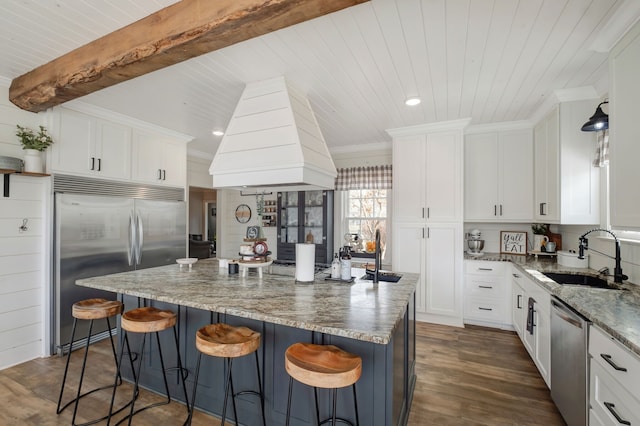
[376,322]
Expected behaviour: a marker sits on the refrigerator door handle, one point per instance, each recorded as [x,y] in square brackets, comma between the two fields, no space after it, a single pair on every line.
[131,248]
[140,239]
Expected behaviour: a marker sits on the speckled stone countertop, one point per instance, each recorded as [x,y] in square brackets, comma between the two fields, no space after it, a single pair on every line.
[359,310]
[615,311]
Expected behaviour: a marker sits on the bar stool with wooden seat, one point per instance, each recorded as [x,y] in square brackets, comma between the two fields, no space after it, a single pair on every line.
[228,342]
[90,310]
[323,366]
[148,320]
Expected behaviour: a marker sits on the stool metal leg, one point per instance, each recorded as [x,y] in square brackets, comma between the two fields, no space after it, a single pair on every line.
[84,365]
[355,403]
[195,387]
[315,399]
[66,368]
[183,371]
[335,404]
[264,423]
[289,400]
[226,394]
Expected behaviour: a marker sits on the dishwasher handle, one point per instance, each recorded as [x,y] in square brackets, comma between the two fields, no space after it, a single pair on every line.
[564,313]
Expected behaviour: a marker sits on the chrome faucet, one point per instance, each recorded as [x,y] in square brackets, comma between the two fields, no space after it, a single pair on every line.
[378,259]
[618,276]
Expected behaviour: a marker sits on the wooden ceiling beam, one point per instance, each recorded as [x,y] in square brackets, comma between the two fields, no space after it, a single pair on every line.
[176,33]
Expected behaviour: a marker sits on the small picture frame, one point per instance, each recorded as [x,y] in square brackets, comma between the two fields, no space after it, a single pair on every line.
[513,242]
[253,232]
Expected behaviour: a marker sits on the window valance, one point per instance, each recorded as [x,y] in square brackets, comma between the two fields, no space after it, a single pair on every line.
[369,177]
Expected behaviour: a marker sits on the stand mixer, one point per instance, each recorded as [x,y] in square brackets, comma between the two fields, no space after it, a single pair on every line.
[475,243]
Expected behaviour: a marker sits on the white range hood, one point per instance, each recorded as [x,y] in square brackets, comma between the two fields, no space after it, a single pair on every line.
[273,140]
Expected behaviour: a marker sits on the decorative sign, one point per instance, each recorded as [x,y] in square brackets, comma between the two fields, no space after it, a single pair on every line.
[253,232]
[513,242]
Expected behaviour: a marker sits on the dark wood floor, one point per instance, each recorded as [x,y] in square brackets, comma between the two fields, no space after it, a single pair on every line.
[470,376]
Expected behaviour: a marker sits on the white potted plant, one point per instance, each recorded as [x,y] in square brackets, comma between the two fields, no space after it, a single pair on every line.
[33,145]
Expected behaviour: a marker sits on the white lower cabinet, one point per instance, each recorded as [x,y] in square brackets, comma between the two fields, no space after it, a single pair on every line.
[518,308]
[614,381]
[535,322]
[487,297]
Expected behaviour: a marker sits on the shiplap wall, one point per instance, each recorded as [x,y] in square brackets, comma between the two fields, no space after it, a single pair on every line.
[24,271]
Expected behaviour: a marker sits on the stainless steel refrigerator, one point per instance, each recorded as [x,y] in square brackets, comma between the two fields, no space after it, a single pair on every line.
[98,235]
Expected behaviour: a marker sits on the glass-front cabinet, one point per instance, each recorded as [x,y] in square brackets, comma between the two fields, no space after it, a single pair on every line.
[305,217]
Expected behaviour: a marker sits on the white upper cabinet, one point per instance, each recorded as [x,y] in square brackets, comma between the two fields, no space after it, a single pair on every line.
[157,159]
[427,171]
[91,146]
[499,176]
[566,183]
[624,66]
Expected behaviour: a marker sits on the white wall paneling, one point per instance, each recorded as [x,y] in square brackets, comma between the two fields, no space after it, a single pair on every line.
[24,270]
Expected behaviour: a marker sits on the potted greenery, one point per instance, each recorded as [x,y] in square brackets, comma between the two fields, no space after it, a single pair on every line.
[33,144]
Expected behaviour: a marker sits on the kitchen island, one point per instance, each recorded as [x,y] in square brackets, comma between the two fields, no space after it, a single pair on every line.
[375,321]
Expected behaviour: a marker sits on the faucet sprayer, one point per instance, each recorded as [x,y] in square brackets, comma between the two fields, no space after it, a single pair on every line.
[583,245]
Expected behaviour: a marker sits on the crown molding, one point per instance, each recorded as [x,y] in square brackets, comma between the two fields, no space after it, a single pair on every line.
[616,26]
[499,127]
[346,149]
[421,129]
[107,114]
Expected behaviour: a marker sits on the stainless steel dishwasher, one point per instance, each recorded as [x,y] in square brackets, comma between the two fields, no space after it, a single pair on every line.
[569,363]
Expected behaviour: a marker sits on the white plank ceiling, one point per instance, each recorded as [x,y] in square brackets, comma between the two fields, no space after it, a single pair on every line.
[491,60]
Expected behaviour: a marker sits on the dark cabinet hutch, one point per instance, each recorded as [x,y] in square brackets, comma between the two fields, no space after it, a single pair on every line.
[305,216]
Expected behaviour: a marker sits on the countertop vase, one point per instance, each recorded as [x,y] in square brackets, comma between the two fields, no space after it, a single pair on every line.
[32,161]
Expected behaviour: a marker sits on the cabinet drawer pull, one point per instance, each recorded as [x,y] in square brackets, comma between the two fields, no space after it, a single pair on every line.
[99,164]
[607,358]
[485,286]
[611,407]
[485,269]
[500,209]
[164,175]
[515,275]
[518,304]
[159,174]
[495,210]
[484,309]
[93,163]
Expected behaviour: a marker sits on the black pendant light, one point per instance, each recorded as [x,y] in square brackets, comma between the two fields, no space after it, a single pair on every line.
[598,121]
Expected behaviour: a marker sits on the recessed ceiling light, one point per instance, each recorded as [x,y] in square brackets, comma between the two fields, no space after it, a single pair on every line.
[217,133]
[412,101]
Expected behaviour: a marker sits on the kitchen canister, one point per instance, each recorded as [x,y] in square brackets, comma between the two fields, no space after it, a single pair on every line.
[234,267]
[305,262]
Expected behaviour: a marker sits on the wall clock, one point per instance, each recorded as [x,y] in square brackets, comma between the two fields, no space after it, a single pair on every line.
[243,213]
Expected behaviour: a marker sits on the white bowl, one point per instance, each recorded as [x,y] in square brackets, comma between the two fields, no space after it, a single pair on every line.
[187,261]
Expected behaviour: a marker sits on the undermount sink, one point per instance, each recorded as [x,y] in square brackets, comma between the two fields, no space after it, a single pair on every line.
[579,279]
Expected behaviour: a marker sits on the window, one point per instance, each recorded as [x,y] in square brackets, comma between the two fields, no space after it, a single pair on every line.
[366,211]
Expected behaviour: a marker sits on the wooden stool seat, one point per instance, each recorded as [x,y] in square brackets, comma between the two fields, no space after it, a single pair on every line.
[96,309]
[147,320]
[225,341]
[322,366]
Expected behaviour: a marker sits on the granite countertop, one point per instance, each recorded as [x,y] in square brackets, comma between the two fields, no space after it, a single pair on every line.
[615,311]
[358,310]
